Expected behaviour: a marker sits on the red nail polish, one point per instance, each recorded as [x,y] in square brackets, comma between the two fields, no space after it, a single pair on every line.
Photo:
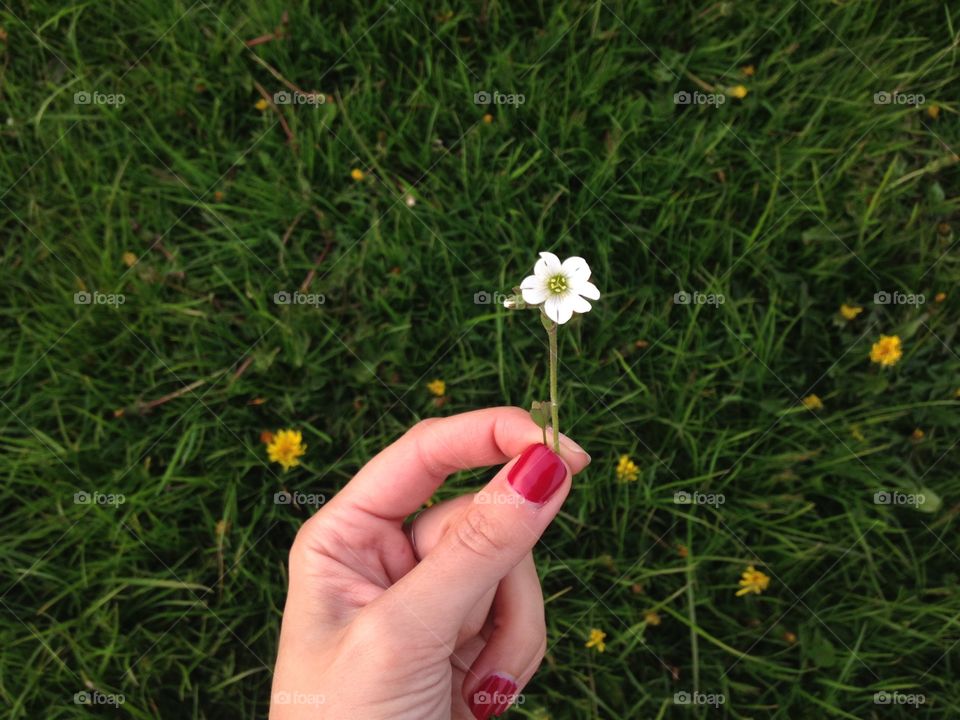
[537,473]
[493,696]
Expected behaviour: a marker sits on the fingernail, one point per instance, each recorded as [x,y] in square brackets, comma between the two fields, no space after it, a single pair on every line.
[537,473]
[493,696]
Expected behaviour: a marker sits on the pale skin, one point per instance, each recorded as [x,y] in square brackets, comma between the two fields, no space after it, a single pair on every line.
[376,628]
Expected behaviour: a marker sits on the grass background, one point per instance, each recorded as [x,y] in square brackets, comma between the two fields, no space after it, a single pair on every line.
[803,195]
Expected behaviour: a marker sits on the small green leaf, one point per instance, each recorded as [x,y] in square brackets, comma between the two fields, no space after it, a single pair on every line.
[540,413]
[931,501]
[821,652]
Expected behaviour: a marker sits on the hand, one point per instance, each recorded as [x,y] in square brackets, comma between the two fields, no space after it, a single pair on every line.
[444,618]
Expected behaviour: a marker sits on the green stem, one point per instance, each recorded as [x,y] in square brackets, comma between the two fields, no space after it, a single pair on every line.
[554,407]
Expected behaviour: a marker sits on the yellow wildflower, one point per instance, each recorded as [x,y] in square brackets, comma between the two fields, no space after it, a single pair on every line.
[488,118]
[940,297]
[812,402]
[357,174]
[627,470]
[850,312]
[129,259]
[748,70]
[286,447]
[651,617]
[752,581]
[790,637]
[933,111]
[739,92]
[596,640]
[437,387]
[886,351]
[917,435]
[261,104]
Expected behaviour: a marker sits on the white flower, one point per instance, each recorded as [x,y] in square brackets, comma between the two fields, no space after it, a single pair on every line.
[562,288]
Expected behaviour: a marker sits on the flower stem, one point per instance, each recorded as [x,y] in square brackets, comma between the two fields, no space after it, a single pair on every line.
[554,407]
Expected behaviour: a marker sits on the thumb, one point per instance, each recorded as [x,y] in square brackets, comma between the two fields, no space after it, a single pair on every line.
[491,535]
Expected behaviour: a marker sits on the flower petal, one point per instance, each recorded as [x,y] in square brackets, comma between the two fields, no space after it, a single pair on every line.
[558,308]
[533,289]
[547,265]
[576,270]
[578,304]
[588,290]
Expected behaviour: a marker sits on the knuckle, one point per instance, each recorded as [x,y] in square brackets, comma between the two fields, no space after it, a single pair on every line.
[479,533]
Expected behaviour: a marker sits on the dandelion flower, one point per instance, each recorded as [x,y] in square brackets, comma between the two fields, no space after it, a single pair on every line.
[651,617]
[129,259]
[748,70]
[596,640]
[357,174]
[917,435]
[562,288]
[940,297]
[627,470]
[933,111]
[286,447]
[753,581]
[886,351]
[261,105]
[437,387]
[850,312]
[812,402]
[488,118]
[739,92]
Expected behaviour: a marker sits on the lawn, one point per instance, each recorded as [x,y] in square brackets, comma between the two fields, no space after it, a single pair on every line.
[734,172]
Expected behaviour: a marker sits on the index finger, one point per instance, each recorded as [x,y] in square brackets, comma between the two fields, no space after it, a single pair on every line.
[398,480]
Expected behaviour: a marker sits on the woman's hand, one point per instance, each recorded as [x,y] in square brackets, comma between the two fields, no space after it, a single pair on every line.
[443,618]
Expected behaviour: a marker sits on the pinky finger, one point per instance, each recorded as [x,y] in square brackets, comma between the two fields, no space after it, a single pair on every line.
[516,645]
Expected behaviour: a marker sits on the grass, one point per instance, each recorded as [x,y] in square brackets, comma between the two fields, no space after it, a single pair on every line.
[801,196]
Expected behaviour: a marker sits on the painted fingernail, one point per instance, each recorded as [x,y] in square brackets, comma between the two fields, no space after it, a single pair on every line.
[537,473]
[493,696]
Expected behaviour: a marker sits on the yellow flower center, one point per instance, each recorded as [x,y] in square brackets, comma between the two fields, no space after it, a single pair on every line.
[557,284]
